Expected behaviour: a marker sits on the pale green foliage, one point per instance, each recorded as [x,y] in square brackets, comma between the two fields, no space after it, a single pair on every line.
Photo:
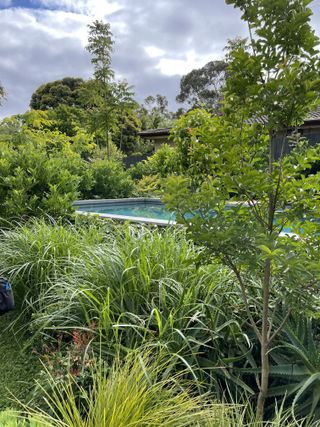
[131,393]
[12,419]
[44,171]
[150,173]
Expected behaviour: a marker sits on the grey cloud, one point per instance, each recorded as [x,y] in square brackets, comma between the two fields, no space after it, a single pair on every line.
[32,51]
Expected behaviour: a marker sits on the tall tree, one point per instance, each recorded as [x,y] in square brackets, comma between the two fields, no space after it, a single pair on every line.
[203,86]
[274,79]
[100,46]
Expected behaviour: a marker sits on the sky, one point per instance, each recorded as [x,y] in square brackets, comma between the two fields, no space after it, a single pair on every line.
[156,42]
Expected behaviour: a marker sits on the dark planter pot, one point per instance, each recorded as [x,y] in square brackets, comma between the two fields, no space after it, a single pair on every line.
[6,296]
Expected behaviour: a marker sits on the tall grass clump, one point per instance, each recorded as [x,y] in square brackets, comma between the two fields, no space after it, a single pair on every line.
[143,287]
[32,254]
[137,391]
[131,393]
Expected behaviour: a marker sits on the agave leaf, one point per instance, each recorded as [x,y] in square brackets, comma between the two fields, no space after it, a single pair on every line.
[283,390]
[289,370]
[305,386]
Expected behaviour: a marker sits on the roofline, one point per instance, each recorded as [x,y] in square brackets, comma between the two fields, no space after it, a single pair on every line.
[154,132]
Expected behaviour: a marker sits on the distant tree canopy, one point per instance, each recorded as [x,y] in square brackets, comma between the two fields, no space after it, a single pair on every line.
[203,86]
[154,112]
[60,92]
[2,93]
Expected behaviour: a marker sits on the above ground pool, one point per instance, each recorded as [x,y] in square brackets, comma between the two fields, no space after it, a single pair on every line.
[142,210]
[149,211]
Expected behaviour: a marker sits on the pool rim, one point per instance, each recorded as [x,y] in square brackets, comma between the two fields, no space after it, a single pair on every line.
[124,201]
[136,219]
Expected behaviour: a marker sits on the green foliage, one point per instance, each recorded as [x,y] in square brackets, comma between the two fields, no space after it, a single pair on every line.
[44,171]
[125,137]
[40,173]
[111,181]
[36,252]
[239,192]
[18,367]
[276,77]
[100,45]
[142,169]
[148,186]
[12,419]
[110,103]
[133,392]
[154,112]
[203,87]
[297,368]
[136,287]
[60,92]
[160,165]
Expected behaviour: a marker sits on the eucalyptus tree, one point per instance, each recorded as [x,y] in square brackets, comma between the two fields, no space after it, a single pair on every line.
[2,94]
[204,86]
[272,83]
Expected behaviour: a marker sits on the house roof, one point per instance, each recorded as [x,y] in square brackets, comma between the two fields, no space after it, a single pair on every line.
[150,133]
[312,118]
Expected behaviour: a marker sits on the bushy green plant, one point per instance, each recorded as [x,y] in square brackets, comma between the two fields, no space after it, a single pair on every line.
[148,186]
[272,78]
[41,172]
[110,180]
[163,163]
[142,169]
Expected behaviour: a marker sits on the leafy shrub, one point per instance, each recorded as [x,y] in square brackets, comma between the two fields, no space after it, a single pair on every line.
[40,173]
[110,180]
[296,368]
[142,169]
[162,163]
[148,186]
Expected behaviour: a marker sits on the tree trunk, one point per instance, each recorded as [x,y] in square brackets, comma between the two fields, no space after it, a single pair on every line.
[108,144]
[264,342]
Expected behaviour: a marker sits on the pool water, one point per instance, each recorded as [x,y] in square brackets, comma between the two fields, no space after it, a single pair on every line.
[154,210]
[141,209]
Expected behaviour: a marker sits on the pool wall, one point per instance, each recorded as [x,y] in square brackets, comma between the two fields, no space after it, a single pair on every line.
[91,204]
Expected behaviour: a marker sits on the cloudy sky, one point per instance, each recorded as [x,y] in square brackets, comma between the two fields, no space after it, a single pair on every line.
[157,41]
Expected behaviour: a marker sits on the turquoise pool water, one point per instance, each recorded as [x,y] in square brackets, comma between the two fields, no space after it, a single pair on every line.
[137,210]
[134,208]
